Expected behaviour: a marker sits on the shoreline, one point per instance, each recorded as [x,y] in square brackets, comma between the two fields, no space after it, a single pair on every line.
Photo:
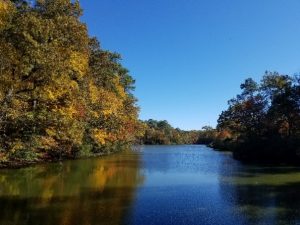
[23,164]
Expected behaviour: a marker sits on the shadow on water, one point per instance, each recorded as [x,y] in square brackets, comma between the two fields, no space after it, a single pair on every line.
[92,191]
[262,194]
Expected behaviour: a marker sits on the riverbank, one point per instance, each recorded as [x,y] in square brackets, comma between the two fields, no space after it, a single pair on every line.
[45,159]
[258,153]
[18,164]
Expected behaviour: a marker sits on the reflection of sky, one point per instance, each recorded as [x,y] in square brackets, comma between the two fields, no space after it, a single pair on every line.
[158,179]
[179,159]
[159,185]
[181,187]
[195,185]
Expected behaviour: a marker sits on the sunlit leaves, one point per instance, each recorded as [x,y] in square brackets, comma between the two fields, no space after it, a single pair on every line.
[6,13]
[264,120]
[58,89]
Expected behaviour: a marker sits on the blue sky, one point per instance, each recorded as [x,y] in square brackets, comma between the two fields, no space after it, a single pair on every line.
[189,56]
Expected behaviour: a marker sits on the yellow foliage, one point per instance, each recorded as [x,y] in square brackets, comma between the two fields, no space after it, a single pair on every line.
[4,5]
[6,9]
[79,63]
[51,132]
[119,88]
[100,136]
[73,85]
[93,91]
[95,114]
[17,145]
[2,96]
[53,74]
[45,142]
[60,87]
[110,103]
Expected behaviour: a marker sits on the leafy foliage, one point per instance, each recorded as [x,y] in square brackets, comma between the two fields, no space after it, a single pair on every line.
[162,133]
[263,122]
[59,91]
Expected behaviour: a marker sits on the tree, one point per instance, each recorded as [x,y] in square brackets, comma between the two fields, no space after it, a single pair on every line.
[162,133]
[264,120]
[59,91]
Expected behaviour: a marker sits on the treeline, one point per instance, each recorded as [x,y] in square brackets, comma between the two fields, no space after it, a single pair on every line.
[162,133]
[263,122]
[61,94]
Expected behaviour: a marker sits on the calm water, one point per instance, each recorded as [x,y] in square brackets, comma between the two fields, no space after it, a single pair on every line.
[151,185]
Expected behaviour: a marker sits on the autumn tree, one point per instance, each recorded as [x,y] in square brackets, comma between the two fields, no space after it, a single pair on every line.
[58,89]
[162,133]
[264,119]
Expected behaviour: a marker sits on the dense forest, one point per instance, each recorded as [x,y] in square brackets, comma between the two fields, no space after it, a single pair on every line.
[162,133]
[263,122]
[61,94]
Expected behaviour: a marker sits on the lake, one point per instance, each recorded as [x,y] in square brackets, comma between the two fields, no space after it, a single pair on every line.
[151,185]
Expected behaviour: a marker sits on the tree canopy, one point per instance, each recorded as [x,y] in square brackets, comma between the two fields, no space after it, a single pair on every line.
[61,94]
[263,122]
[162,133]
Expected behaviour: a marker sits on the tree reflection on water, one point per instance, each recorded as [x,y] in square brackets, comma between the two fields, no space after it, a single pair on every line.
[262,194]
[91,191]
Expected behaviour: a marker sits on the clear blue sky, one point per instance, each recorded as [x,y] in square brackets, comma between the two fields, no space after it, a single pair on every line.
[189,56]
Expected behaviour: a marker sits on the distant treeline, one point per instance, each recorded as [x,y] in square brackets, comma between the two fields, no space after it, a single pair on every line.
[162,133]
[263,122]
[61,94]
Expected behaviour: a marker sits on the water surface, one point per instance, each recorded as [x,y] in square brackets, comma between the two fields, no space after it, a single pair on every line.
[151,185]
